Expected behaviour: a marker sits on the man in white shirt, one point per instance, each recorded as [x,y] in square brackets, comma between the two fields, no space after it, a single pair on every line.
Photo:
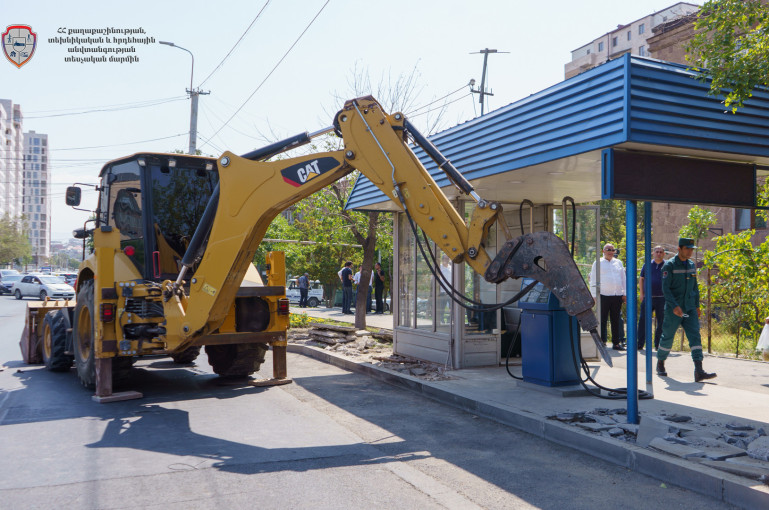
[613,294]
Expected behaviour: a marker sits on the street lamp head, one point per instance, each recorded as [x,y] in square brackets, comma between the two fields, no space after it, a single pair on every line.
[167,43]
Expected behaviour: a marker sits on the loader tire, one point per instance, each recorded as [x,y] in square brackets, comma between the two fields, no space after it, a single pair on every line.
[187,356]
[55,327]
[84,345]
[83,335]
[236,360]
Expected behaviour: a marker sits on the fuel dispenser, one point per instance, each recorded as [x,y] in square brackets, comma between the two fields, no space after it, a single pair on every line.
[547,356]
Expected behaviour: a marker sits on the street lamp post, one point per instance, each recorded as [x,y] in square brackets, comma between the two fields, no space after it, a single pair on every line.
[193,101]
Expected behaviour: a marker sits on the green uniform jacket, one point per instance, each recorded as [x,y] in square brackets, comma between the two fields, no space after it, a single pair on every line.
[679,284]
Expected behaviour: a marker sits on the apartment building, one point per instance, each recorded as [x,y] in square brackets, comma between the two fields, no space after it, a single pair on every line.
[11,143]
[630,38]
[36,200]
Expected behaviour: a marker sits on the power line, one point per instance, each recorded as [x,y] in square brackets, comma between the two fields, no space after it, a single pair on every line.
[119,144]
[444,104]
[435,101]
[236,44]
[271,71]
[116,108]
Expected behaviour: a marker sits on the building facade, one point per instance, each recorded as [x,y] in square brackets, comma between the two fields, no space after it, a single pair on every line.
[11,158]
[36,201]
[630,38]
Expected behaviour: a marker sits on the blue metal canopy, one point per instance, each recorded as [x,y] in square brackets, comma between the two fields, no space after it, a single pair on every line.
[548,141]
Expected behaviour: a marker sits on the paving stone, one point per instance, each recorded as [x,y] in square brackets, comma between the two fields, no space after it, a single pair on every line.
[759,449]
[678,450]
[595,427]
[673,438]
[616,431]
[649,429]
[722,452]
[606,420]
[749,461]
[678,418]
[738,426]
[738,469]
[629,427]
[700,433]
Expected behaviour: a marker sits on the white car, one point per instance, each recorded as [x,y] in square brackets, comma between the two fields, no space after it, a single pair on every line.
[42,286]
[314,295]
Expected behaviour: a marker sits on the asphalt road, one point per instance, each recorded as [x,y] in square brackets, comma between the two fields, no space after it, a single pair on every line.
[332,439]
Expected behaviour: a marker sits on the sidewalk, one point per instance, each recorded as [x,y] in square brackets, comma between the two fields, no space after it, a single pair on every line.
[738,396]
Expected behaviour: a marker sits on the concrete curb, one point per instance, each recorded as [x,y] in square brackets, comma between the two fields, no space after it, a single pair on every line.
[711,482]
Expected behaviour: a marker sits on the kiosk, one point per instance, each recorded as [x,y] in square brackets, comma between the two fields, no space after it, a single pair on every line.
[547,355]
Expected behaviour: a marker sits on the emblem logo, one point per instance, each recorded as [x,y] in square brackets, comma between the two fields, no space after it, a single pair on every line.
[19,43]
[296,175]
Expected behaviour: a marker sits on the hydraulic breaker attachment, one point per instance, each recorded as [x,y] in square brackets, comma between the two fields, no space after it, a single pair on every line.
[546,258]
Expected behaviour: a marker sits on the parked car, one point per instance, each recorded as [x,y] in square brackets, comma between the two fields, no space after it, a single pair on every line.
[7,283]
[4,273]
[69,278]
[42,286]
[314,295]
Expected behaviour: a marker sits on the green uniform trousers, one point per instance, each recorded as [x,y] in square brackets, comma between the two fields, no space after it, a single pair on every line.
[691,327]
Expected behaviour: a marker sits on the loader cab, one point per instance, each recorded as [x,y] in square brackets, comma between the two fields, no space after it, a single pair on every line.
[156,202]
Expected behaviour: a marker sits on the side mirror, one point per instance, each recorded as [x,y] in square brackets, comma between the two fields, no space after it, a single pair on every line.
[80,233]
[73,196]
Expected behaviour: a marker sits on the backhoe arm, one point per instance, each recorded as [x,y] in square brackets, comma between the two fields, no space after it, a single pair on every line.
[253,192]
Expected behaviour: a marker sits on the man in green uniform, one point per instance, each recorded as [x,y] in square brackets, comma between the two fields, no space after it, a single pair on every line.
[682,307]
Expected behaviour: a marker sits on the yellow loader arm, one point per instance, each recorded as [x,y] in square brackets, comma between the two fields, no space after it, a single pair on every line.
[252,192]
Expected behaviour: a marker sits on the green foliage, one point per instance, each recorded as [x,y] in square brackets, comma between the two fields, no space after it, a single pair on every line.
[741,283]
[732,42]
[14,242]
[700,220]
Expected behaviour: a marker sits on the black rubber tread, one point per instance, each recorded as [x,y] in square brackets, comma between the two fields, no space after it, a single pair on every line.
[58,323]
[17,294]
[313,302]
[86,367]
[187,356]
[43,295]
[236,360]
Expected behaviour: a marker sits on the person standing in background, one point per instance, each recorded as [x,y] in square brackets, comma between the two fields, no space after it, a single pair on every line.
[653,271]
[379,284]
[613,294]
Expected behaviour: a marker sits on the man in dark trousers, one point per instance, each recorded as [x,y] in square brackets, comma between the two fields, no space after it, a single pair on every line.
[304,288]
[682,308]
[653,271]
[379,284]
[346,276]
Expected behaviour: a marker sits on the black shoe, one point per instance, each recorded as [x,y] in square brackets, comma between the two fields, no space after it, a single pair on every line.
[661,369]
[700,374]
[618,347]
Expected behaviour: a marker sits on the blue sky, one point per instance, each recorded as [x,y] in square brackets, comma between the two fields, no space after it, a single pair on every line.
[385,38]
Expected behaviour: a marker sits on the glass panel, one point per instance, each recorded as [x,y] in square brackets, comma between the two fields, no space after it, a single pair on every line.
[443,303]
[425,291]
[479,289]
[585,237]
[406,252]
[741,219]
[125,212]
[179,197]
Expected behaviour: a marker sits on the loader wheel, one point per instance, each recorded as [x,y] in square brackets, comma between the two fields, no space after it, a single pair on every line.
[83,337]
[55,327]
[236,360]
[187,356]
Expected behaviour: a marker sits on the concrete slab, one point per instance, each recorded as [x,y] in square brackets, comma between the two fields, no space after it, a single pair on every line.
[722,452]
[738,469]
[651,428]
[679,450]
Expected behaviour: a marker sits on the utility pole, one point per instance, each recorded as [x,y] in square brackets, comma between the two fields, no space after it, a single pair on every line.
[482,91]
[193,101]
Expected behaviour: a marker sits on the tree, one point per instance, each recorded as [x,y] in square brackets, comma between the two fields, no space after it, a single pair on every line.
[741,283]
[700,220]
[732,42]
[14,242]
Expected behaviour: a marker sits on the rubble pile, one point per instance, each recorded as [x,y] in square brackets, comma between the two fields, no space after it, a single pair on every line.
[737,448]
[344,340]
[412,366]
